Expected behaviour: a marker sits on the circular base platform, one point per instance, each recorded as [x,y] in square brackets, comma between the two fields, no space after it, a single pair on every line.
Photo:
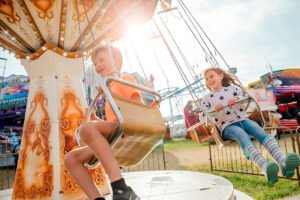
[175,185]
[156,185]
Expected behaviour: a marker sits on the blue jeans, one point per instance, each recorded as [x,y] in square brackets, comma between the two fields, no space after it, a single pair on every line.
[241,132]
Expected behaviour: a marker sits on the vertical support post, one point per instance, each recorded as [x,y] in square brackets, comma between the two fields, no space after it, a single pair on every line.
[210,157]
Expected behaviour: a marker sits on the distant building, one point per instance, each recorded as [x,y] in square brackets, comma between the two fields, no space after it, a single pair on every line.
[13,100]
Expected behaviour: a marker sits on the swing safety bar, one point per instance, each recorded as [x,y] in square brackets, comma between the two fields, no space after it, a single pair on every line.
[246,100]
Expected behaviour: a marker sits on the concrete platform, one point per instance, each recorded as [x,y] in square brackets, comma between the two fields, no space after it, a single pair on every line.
[173,185]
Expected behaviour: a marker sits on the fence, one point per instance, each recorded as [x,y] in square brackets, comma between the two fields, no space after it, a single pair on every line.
[230,158]
[7,170]
[154,161]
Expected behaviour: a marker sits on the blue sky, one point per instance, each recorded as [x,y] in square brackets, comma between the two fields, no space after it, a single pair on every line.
[249,34]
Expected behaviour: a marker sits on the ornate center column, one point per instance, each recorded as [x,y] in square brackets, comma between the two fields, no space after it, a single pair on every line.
[55,108]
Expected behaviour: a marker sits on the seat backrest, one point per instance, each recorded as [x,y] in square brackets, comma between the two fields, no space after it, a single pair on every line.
[255,116]
[269,118]
[139,117]
[216,134]
[143,128]
[200,133]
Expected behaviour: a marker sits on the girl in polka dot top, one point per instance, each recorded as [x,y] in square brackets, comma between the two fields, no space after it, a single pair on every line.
[234,124]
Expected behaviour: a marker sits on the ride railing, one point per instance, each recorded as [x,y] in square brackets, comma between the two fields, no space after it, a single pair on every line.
[154,161]
[7,170]
[230,158]
[7,145]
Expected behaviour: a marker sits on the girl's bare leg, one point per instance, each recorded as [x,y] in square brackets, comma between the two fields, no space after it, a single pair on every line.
[74,162]
[95,135]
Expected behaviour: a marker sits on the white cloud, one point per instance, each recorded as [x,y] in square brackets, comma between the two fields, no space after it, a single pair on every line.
[229,19]
[251,34]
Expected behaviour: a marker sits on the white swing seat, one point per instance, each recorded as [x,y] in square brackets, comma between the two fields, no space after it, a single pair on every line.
[141,127]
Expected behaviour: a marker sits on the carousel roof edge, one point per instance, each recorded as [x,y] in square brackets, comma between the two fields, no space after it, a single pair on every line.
[51,47]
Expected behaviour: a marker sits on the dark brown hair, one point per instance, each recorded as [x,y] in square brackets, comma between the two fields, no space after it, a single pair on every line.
[116,53]
[228,78]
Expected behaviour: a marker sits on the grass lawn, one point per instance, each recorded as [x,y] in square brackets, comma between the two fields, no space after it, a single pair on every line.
[255,186]
[259,188]
[181,144]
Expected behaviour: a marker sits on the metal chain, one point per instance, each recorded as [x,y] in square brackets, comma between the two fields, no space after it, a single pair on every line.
[82,50]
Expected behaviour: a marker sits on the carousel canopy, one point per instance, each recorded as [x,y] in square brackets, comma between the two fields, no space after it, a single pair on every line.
[26,26]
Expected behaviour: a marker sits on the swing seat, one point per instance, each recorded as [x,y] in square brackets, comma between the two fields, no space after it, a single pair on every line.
[270,119]
[141,127]
[200,133]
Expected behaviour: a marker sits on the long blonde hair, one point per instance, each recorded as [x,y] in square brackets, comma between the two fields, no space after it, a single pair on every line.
[227,80]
